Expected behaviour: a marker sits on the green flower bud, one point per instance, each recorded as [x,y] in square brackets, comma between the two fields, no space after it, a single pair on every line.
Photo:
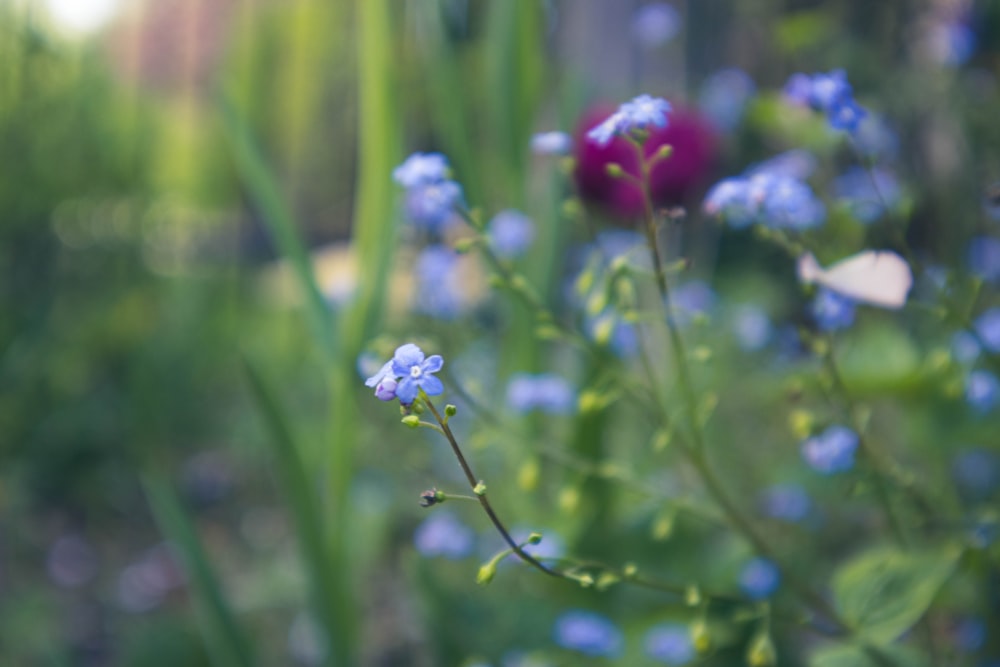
[614,170]
[760,652]
[486,573]
[479,489]
[413,421]
[450,410]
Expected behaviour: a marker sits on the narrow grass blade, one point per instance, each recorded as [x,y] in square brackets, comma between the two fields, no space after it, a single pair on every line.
[227,644]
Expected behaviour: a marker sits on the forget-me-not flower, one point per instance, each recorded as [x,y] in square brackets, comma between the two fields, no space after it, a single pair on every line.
[724,97]
[416,372]
[982,391]
[832,311]
[829,93]
[656,24]
[669,643]
[759,579]
[787,502]
[545,392]
[432,205]
[988,327]
[831,451]
[867,194]
[510,233]
[442,534]
[638,114]
[589,633]
[421,169]
[551,143]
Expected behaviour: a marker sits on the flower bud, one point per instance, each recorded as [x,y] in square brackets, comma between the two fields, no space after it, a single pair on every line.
[700,637]
[486,573]
[413,421]
[760,652]
[479,489]
[450,410]
[614,170]
[431,497]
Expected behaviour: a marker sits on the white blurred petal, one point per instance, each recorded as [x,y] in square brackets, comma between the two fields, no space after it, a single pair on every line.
[879,278]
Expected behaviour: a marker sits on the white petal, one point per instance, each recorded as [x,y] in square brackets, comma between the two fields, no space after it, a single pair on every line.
[880,278]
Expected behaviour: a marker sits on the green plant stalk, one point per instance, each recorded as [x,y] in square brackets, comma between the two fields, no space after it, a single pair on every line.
[696,453]
[227,644]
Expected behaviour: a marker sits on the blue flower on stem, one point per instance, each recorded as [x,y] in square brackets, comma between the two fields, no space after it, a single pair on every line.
[416,372]
[830,94]
[638,114]
[511,234]
[832,451]
[832,311]
[759,579]
[421,169]
[669,643]
[432,205]
[384,382]
[588,633]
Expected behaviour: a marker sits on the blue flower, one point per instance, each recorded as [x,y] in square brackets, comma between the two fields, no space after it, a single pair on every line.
[970,634]
[845,115]
[638,114]
[511,234]
[416,372]
[982,391]
[832,451]
[751,326]
[724,97]
[829,89]
[421,169]
[964,347]
[759,579]
[771,193]
[787,502]
[588,633]
[432,205]
[655,24]
[976,473]
[984,258]
[544,392]
[866,199]
[438,284]
[551,143]
[691,300]
[832,311]
[442,534]
[988,327]
[790,203]
[730,199]
[669,643]
[384,382]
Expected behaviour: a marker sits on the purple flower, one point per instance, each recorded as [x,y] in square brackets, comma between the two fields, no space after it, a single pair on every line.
[832,311]
[982,391]
[442,534]
[832,451]
[421,169]
[551,143]
[544,392]
[759,579]
[588,633]
[640,113]
[669,643]
[511,234]
[655,24]
[988,327]
[416,372]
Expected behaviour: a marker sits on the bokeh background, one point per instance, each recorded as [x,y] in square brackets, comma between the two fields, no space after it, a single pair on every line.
[147,150]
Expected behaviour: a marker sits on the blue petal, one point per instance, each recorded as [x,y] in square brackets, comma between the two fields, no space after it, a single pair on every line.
[431,385]
[433,364]
[406,390]
[406,357]
[383,373]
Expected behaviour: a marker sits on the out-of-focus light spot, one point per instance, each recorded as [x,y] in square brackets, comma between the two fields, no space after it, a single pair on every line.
[82,16]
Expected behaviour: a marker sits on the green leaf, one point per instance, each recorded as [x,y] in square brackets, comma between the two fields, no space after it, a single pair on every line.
[879,359]
[225,639]
[330,584]
[846,655]
[883,592]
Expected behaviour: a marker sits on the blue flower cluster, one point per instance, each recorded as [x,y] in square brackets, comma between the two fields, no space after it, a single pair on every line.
[832,311]
[640,113]
[831,451]
[830,94]
[405,374]
[771,197]
[867,194]
[431,196]
[670,644]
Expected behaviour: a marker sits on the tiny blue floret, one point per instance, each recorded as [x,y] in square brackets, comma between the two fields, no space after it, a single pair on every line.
[759,579]
[416,372]
[432,205]
[831,451]
[588,633]
[421,169]
[638,114]
[510,233]
[832,311]
[670,644]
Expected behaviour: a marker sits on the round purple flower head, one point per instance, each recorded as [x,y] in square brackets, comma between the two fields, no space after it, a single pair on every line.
[416,372]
